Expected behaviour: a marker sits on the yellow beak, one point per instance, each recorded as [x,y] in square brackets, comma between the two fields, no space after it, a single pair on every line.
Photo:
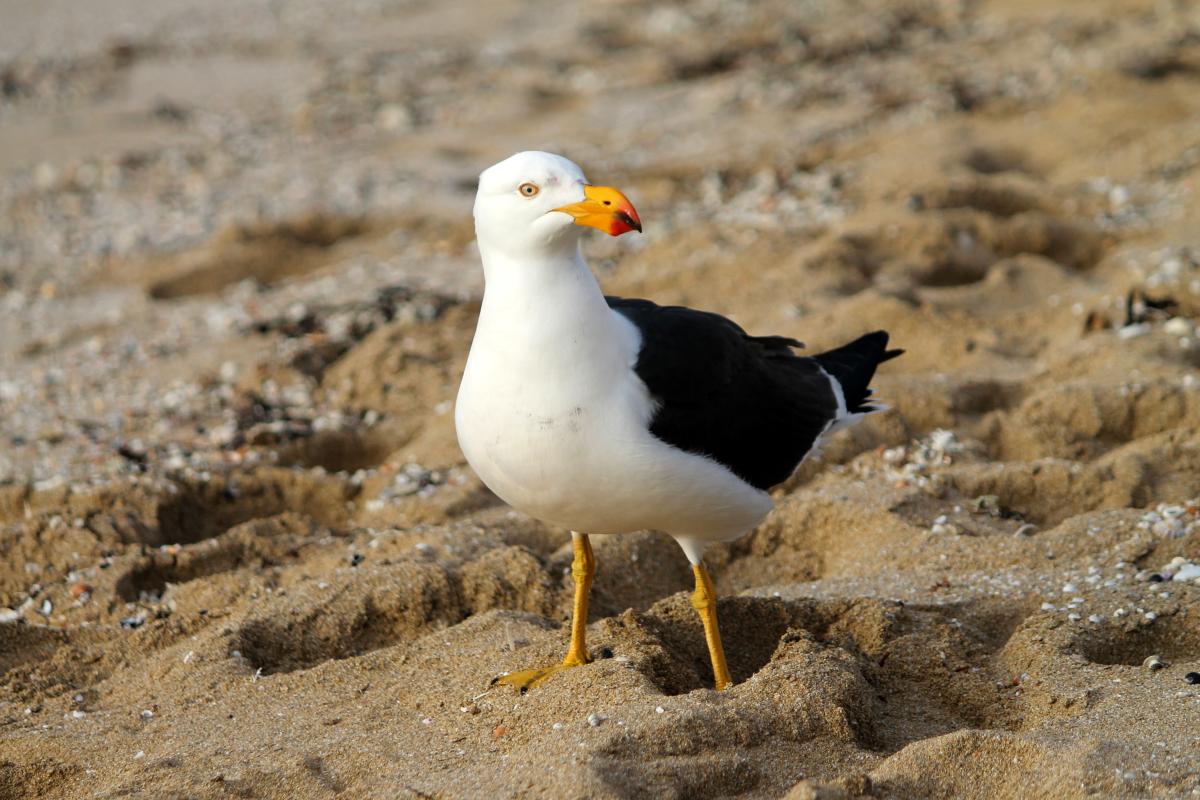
[604,208]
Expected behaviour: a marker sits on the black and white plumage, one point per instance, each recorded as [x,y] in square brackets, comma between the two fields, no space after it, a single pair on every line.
[748,402]
[608,415]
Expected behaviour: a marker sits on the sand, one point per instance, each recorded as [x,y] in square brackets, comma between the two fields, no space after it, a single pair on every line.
[241,554]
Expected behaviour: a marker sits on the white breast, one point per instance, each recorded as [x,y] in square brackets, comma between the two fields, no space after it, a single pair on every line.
[553,418]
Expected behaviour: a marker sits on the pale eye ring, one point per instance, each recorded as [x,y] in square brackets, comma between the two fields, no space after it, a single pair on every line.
[528,189]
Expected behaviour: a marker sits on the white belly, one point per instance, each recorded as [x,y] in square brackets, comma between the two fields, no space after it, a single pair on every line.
[563,436]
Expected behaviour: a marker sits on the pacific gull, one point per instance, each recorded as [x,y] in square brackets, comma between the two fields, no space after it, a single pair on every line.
[609,415]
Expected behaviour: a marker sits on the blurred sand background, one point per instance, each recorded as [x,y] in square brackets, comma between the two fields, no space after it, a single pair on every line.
[242,556]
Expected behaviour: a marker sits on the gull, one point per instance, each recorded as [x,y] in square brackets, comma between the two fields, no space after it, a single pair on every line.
[606,415]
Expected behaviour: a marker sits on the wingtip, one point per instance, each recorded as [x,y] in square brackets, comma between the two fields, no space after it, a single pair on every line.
[881,339]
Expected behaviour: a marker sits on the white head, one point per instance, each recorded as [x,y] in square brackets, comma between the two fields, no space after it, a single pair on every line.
[532,203]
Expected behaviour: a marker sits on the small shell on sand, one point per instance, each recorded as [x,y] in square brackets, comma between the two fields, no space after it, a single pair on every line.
[1187,572]
[1178,326]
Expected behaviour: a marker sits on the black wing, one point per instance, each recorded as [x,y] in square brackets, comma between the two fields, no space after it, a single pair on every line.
[748,402]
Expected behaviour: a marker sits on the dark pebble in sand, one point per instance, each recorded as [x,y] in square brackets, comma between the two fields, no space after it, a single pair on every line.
[1156,578]
[1192,677]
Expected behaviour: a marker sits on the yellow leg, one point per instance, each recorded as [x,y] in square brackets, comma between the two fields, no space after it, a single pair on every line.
[583,567]
[704,600]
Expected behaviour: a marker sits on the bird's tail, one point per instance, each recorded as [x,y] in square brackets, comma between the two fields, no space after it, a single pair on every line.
[853,366]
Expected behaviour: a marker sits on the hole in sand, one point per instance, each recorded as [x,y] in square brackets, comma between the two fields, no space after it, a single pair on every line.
[151,577]
[953,270]
[365,611]
[339,451]
[1175,638]
[1000,197]
[751,628]
[258,543]
[201,511]
[989,160]
[932,671]
[285,646]
[265,252]
[22,644]
[197,510]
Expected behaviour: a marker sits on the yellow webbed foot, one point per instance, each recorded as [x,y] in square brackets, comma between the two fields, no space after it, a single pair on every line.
[526,679]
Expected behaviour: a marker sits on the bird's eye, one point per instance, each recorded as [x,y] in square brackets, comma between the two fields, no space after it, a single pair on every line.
[528,189]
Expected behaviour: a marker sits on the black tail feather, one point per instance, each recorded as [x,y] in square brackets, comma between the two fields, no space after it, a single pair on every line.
[853,366]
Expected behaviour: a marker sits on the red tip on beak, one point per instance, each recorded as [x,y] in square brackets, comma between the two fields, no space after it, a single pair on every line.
[606,209]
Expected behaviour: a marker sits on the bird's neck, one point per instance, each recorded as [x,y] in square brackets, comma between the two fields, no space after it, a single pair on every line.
[530,286]
[544,308]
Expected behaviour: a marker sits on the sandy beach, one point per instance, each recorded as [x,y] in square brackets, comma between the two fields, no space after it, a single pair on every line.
[241,553]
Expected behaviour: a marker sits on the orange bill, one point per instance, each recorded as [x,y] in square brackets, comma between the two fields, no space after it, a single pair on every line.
[606,209]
